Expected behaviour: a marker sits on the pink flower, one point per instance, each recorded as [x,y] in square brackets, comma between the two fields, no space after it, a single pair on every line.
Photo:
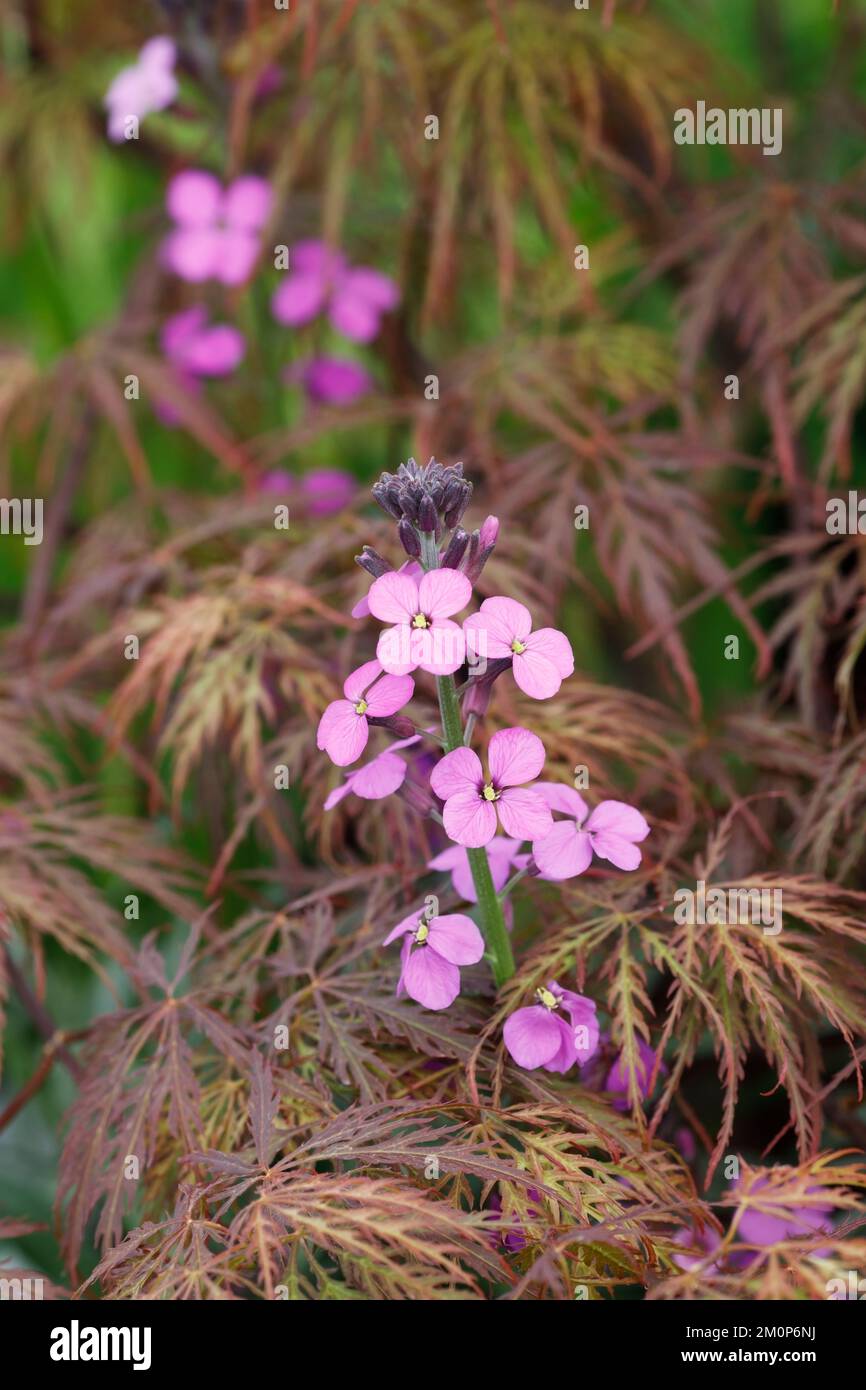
[708,1240]
[201,349]
[538,1036]
[326,490]
[502,853]
[618,1078]
[335,381]
[344,728]
[148,85]
[217,231]
[321,279]
[378,778]
[540,660]
[362,607]
[781,1219]
[420,609]
[432,951]
[613,832]
[515,756]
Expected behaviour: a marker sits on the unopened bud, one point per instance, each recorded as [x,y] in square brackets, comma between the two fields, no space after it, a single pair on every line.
[427,517]
[455,550]
[371,561]
[409,539]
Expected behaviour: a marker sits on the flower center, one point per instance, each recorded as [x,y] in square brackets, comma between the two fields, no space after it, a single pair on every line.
[422,934]
[489,792]
[420,620]
[518,647]
[545,997]
[361,707]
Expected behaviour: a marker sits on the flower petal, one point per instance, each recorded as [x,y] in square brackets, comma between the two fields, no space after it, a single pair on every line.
[299,299]
[555,647]
[439,649]
[248,203]
[455,937]
[523,813]
[560,797]
[394,650]
[507,619]
[193,253]
[515,756]
[430,979]
[238,254]
[443,592]
[194,198]
[532,1036]
[537,677]
[623,853]
[380,777]
[469,819]
[406,924]
[564,852]
[459,771]
[360,679]
[343,734]
[490,644]
[618,818]
[389,694]
[393,597]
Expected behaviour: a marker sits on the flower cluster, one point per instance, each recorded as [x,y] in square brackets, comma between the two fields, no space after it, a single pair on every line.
[547,828]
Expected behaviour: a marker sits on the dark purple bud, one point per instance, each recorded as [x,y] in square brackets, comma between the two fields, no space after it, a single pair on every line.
[477,696]
[419,798]
[371,561]
[409,539]
[387,494]
[399,724]
[427,517]
[455,550]
[410,500]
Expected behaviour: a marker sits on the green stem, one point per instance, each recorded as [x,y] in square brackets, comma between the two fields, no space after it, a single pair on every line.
[493,926]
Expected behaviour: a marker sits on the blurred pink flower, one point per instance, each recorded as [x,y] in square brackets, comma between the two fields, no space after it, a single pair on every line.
[782,1220]
[421,610]
[540,660]
[216,236]
[343,728]
[335,381]
[515,756]
[613,832]
[147,85]
[321,279]
[325,490]
[432,952]
[502,853]
[380,777]
[193,345]
[538,1035]
[618,1078]
[707,1240]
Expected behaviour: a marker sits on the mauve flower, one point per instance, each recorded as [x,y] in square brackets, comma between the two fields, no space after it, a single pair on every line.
[502,854]
[334,380]
[432,952]
[514,1240]
[538,1036]
[472,803]
[325,490]
[540,660]
[708,1240]
[343,728]
[613,832]
[617,1081]
[423,634]
[194,346]
[378,778]
[410,567]
[217,232]
[147,85]
[321,279]
[781,1220]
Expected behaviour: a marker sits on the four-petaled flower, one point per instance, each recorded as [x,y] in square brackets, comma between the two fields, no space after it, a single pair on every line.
[472,802]
[217,232]
[421,609]
[320,278]
[538,1035]
[613,832]
[540,660]
[343,728]
[380,777]
[433,950]
[200,348]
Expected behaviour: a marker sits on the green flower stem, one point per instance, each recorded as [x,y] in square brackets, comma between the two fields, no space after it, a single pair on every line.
[493,926]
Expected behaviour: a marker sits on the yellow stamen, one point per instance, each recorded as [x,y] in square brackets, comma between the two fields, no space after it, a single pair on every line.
[419,620]
[518,647]
[490,793]
[361,707]
[422,934]
[545,997]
